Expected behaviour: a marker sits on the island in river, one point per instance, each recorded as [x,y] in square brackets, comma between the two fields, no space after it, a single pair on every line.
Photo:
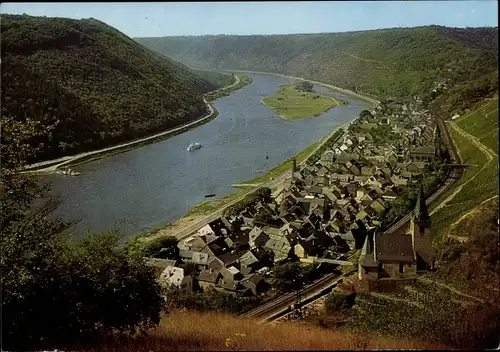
[297,101]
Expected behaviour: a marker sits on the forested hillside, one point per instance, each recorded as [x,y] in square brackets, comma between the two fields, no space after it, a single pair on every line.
[394,62]
[90,86]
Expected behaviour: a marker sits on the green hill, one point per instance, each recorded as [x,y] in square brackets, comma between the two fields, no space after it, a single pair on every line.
[91,86]
[397,61]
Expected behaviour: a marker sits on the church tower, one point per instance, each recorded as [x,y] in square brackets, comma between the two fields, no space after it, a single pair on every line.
[422,246]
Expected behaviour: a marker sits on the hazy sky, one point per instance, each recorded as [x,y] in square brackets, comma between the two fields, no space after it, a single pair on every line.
[197,18]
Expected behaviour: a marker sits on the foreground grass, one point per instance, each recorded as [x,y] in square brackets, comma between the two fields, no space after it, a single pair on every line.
[194,331]
[291,104]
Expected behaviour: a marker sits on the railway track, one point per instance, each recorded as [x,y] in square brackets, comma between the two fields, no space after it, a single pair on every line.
[283,304]
[452,177]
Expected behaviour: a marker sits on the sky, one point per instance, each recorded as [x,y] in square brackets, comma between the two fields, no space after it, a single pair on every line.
[156,19]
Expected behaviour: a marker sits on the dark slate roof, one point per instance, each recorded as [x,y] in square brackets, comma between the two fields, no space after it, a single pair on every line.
[393,247]
[207,276]
[227,258]
[240,237]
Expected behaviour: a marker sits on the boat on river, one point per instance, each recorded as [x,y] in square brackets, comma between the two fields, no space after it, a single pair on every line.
[194,146]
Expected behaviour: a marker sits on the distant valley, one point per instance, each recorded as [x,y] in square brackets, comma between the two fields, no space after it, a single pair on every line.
[386,62]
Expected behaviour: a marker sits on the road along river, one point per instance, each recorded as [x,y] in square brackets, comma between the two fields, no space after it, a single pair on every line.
[158,183]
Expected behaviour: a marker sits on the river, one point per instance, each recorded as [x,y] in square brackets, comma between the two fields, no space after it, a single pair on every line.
[158,183]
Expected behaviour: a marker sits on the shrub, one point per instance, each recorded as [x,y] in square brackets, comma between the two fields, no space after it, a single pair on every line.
[163,247]
[338,302]
[81,291]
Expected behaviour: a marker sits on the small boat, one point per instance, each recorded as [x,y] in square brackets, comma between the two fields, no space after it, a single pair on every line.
[210,195]
[74,173]
[194,146]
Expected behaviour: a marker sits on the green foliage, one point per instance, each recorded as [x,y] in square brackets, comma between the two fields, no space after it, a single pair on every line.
[89,85]
[225,91]
[339,301]
[290,103]
[218,80]
[289,276]
[163,247]
[365,114]
[383,135]
[262,194]
[394,62]
[304,86]
[483,123]
[480,182]
[328,144]
[56,291]
[428,312]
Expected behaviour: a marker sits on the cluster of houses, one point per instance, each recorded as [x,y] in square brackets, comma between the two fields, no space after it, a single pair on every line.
[324,209]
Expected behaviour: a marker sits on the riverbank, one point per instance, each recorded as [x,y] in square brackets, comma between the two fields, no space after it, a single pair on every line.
[332,87]
[289,103]
[300,158]
[50,166]
[240,82]
[201,210]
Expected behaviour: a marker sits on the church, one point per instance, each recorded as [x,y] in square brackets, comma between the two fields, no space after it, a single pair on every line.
[398,256]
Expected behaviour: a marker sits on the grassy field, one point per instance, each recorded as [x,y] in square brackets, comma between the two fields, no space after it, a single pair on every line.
[209,206]
[194,331]
[481,181]
[483,123]
[291,104]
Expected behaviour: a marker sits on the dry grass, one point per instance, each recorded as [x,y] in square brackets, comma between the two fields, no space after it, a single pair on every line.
[194,331]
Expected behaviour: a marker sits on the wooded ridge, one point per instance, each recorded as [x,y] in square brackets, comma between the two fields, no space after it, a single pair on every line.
[90,86]
[387,62]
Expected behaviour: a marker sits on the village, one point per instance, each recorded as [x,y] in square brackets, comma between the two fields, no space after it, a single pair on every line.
[329,209]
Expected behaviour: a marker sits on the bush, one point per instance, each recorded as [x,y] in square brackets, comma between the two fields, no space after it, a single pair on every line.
[163,247]
[210,300]
[84,290]
[262,194]
[304,86]
[338,302]
[57,290]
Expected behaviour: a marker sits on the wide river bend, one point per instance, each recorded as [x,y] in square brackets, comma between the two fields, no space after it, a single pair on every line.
[145,187]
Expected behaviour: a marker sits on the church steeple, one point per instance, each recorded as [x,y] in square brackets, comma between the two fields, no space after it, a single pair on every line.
[420,213]
[422,246]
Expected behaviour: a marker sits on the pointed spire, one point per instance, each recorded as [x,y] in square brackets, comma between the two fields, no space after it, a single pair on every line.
[420,213]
